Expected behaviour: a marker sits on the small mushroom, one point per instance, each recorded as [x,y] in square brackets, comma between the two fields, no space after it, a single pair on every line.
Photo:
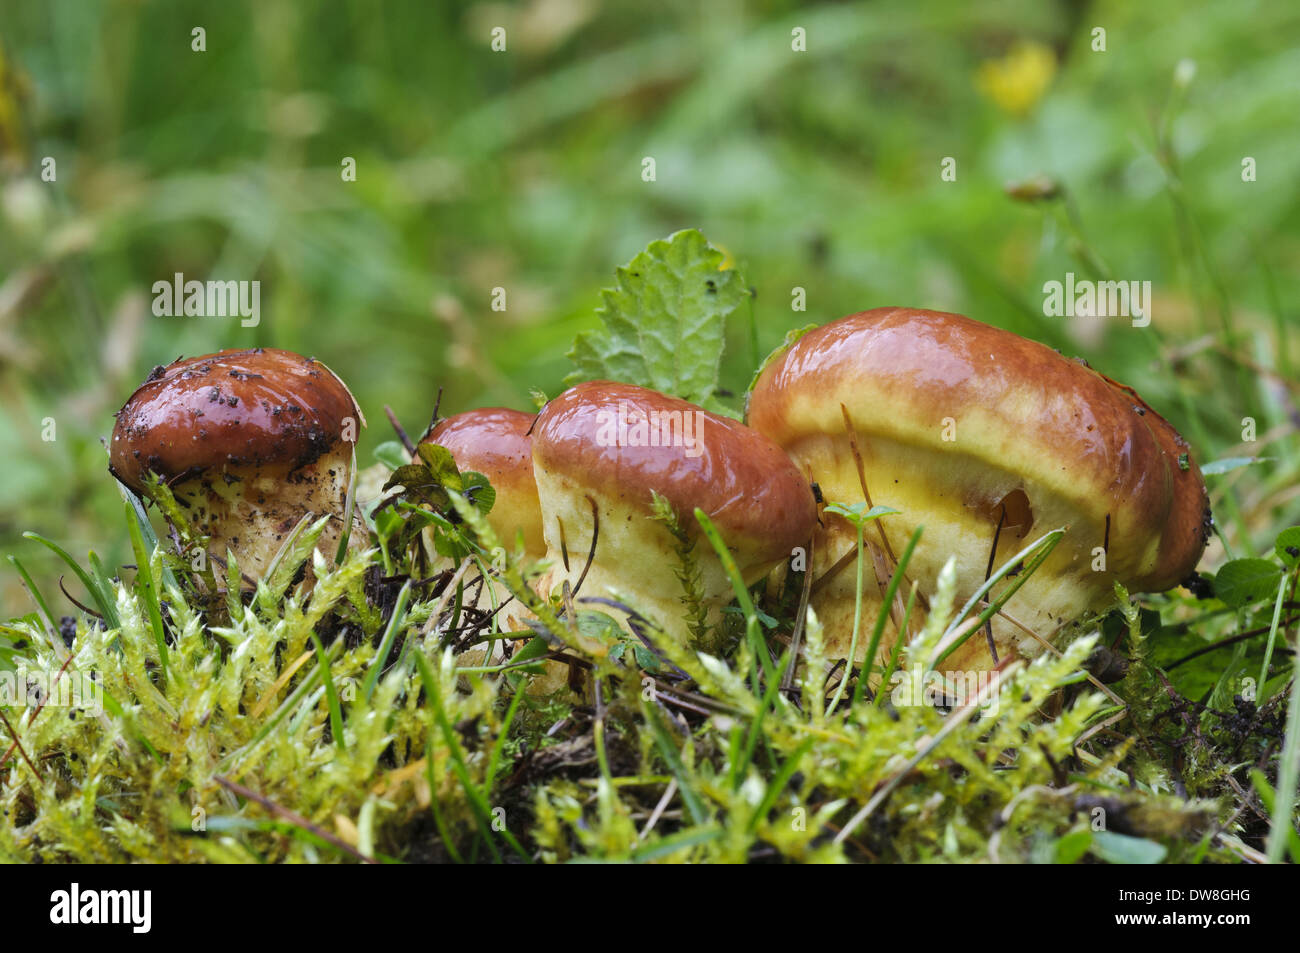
[988,440]
[600,452]
[495,442]
[248,441]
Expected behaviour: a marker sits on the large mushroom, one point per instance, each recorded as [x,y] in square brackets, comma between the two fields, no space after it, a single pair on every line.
[600,453]
[248,441]
[988,440]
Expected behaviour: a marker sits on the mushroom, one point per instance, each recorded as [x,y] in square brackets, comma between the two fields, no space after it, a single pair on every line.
[248,441]
[495,442]
[600,453]
[988,440]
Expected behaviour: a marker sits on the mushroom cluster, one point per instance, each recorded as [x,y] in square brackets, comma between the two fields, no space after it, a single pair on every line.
[249,442]
[982,438]
[987,440]
[578,484]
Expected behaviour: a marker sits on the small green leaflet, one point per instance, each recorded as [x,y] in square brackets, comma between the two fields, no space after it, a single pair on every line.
[1123,849]
[391,454]
[857,513]
[664,323]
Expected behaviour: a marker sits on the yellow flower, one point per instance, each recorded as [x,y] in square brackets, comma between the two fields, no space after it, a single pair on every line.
[1017,81]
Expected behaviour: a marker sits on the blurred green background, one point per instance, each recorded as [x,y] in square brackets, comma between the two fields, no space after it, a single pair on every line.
[521,169]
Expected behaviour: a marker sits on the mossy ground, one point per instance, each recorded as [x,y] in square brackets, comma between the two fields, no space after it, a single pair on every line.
[301,722]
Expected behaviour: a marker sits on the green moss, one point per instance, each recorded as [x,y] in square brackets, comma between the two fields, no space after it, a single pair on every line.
[238,754]
[323,715]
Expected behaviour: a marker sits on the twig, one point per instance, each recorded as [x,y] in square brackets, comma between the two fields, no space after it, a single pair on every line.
[1222,643]
[295,819]
[401,433]
[21,749]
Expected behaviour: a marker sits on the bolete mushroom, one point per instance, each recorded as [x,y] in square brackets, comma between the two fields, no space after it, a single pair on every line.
[495,442]
[988,440]
[600,453]
[248,441]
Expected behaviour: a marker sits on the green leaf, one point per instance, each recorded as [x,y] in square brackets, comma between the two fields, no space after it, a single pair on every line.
[664,322]
[1288,546]
[1123,849]
[535,648]
[391,454]
[1072,847]
[442,464]
[421,483]
[598,625]
[645,659]
[1243,581]
[1269,798]
[858,514]
[331,692]
[478,490]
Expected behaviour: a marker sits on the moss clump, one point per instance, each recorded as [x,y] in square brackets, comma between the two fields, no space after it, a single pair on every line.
[324,719]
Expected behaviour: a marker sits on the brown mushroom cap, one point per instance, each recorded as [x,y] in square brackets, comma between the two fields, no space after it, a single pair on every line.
[250,442]
[236,409]
[495,441]
[600,453]
[747,486]
[1019,408]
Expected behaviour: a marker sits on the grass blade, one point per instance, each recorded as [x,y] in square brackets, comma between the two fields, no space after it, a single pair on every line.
[103,599]
[386,643]
[145,587]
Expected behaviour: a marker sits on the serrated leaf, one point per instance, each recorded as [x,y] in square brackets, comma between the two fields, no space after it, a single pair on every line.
[1243,581]
[664,322]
